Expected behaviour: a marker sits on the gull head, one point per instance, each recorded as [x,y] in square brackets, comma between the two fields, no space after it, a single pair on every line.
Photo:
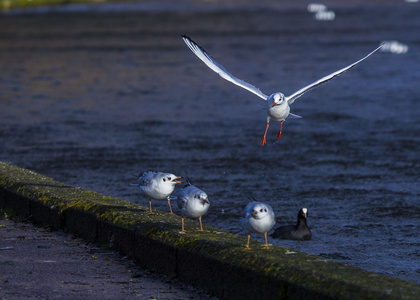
[260,211]
[202,197]
[168,178]
[278,98]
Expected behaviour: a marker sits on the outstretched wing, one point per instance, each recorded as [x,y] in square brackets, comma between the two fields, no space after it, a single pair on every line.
[219,69]
[290,99]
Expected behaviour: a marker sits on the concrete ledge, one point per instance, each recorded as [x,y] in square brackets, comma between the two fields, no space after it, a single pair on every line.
[215,260]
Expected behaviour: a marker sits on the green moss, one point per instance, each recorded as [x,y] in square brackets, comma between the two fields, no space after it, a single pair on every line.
[8,213]
[11,4]
[276,264]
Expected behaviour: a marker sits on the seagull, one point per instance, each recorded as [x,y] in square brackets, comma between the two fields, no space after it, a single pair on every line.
[277,104]
[300,231]
[193,203]
[258,218]
[158,186]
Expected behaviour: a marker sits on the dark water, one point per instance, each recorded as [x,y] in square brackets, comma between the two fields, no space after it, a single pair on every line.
[92,98]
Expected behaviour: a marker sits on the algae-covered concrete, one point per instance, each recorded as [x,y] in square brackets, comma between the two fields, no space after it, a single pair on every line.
[215,260]
[11,4]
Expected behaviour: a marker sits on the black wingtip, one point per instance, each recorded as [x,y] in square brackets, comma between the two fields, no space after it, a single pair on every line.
[252,198]
[187,40]
[187,182]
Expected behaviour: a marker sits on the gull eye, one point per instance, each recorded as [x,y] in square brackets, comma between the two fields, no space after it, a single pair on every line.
[261,210]
[265,210]
[169,178]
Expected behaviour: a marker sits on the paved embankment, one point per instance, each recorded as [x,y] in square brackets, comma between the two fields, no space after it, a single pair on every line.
[215,260]
[37,263]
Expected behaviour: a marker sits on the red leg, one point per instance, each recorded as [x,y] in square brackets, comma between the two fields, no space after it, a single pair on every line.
[264,141]
[279,134]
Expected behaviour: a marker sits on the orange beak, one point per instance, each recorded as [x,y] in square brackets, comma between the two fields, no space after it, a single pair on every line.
[177,181]
[254,213]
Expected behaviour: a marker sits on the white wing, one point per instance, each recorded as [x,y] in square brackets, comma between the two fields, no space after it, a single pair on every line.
[219,69]
[290,99]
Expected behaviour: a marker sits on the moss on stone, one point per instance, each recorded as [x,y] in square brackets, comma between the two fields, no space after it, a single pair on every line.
[288,269]
[12,4]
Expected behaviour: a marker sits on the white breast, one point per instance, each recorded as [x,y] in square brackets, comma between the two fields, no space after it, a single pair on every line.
[279,112]
[192,207]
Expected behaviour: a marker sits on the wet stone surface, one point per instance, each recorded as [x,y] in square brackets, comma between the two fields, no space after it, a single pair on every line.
[38,263]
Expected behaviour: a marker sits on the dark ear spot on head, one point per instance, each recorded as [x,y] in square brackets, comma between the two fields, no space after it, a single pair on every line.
[164,180]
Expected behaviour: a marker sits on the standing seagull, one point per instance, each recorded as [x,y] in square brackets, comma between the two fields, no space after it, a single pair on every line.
[193,203]
[158,186]
[258,218]
[278,105]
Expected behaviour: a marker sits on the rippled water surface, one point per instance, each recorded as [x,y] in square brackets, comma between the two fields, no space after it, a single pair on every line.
[93,97]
